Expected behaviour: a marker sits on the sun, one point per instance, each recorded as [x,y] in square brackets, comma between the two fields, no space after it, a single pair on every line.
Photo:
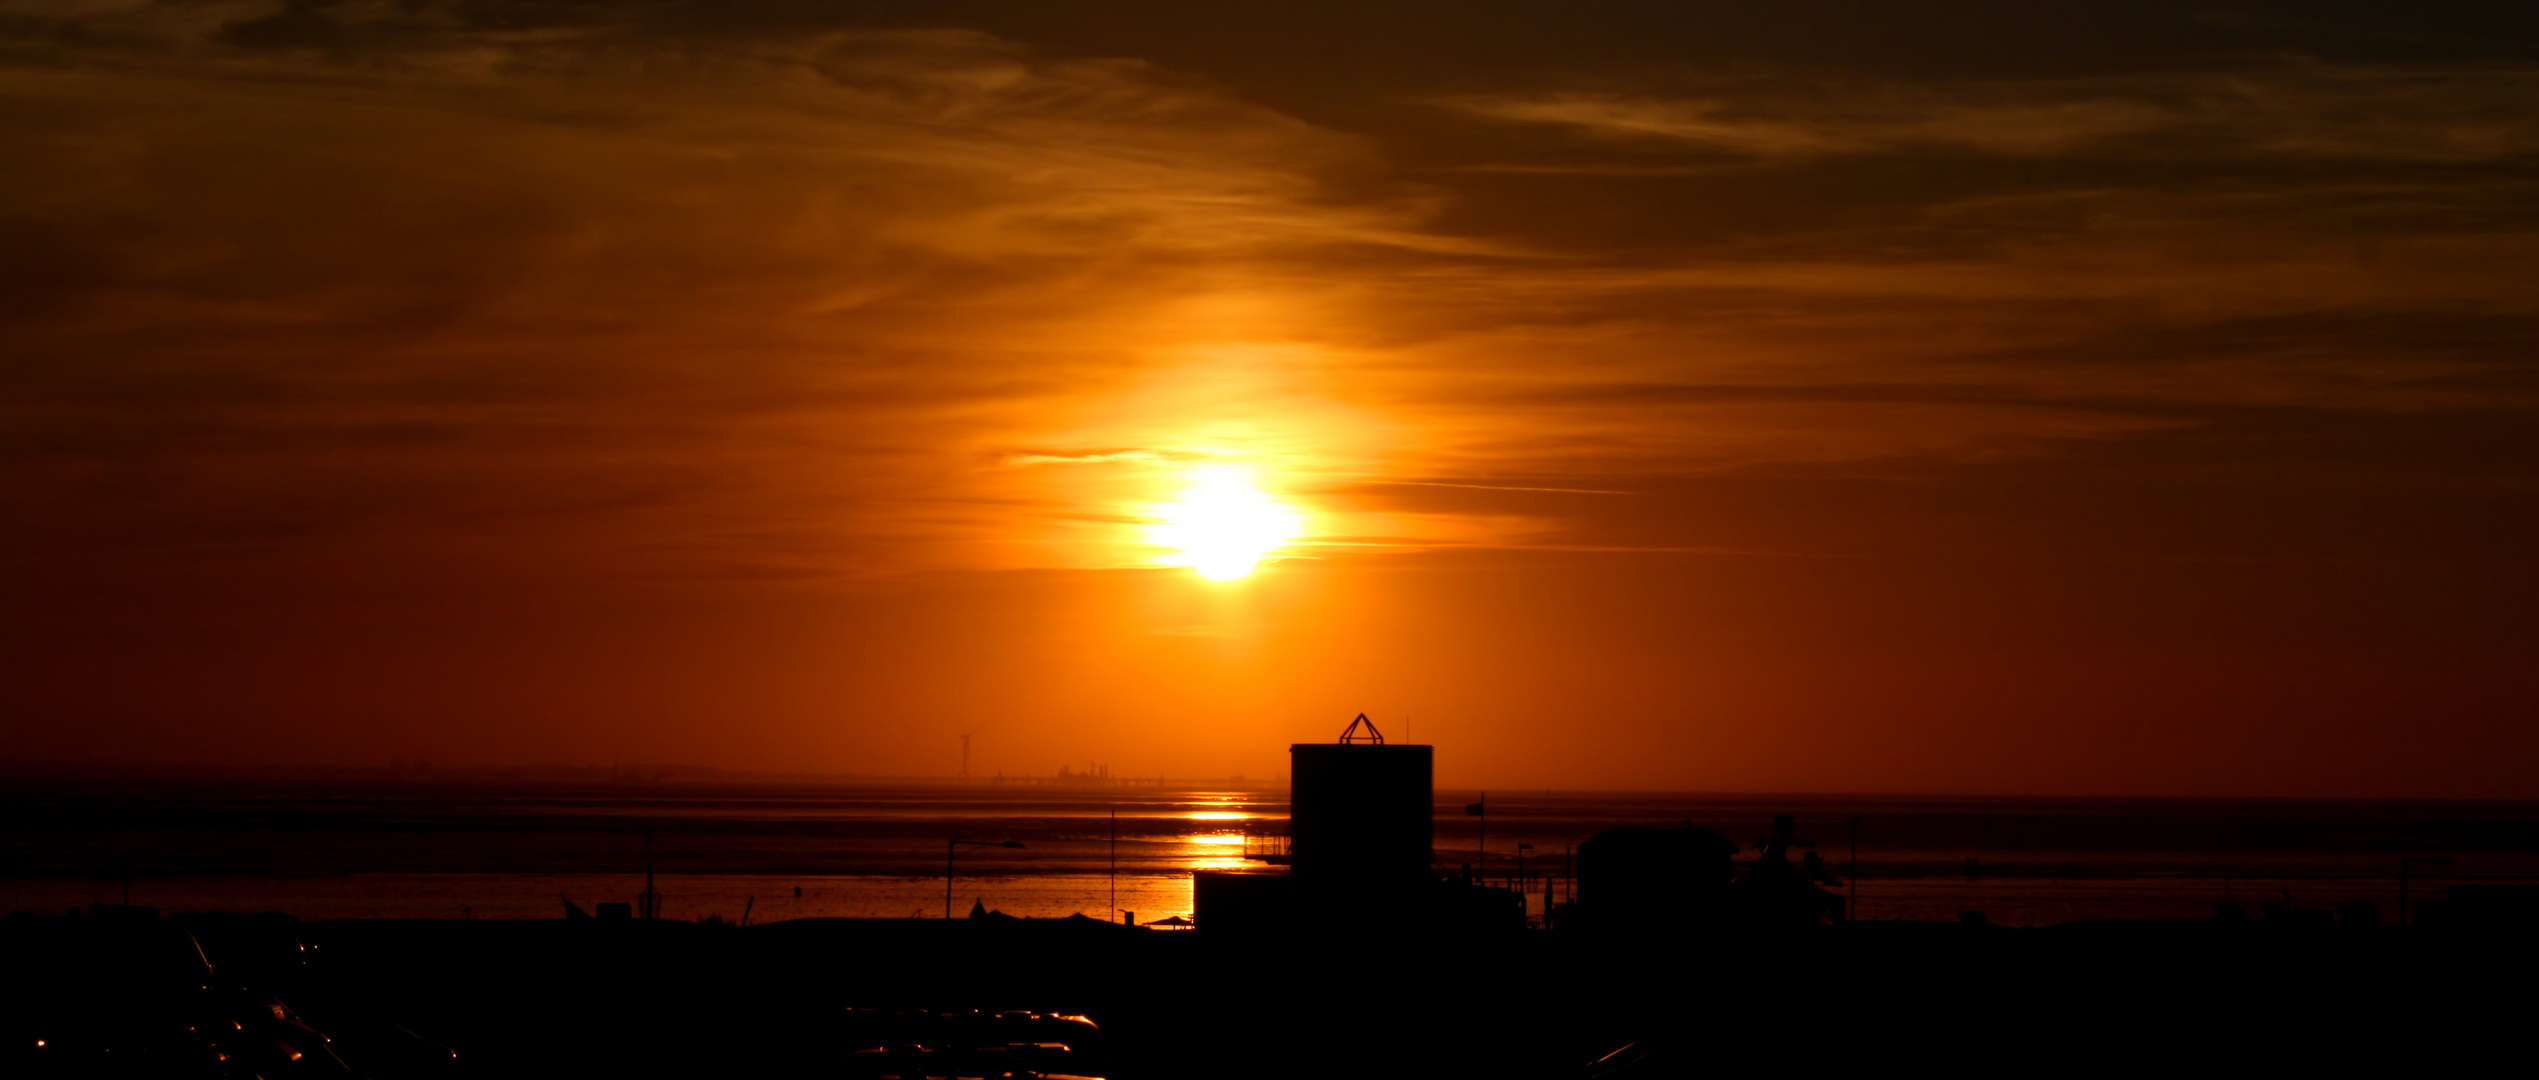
[1224,524]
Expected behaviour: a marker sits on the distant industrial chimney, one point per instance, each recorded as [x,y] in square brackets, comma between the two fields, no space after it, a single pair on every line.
[1358,810]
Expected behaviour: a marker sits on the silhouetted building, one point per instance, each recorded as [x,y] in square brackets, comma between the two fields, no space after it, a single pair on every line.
[1358,814]
[1239,901]
[1360,840]
[2513,908]
[1638,876]
[1637,880]
[1773,894]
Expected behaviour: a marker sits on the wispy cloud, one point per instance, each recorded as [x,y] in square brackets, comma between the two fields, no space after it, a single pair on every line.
[277,274]
[760,285]
[2291,108]
[1853,125]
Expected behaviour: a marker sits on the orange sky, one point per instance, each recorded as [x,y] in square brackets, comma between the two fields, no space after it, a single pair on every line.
[2129,400]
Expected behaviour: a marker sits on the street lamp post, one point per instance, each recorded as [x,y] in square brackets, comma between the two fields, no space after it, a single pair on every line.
[2403,865]
[952,846]
[1521,849]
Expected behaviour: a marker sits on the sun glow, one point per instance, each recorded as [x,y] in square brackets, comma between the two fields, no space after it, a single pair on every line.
[1224,525]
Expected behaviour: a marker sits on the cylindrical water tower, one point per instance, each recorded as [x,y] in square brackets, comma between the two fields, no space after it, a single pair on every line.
[1358,812]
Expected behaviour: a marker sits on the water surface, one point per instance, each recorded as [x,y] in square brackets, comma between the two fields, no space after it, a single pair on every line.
[457,848]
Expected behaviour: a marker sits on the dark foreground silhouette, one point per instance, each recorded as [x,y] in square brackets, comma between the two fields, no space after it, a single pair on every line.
[1348,956]
[130,994]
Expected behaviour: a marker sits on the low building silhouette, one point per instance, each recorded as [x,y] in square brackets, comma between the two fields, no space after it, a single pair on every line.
[1772,893]
[1637,877]
[2484,908]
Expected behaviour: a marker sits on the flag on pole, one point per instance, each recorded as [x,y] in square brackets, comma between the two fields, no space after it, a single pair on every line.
[1472,809]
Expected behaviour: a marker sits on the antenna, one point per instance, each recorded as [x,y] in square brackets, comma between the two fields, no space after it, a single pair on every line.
[965,754]
[1372,736]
